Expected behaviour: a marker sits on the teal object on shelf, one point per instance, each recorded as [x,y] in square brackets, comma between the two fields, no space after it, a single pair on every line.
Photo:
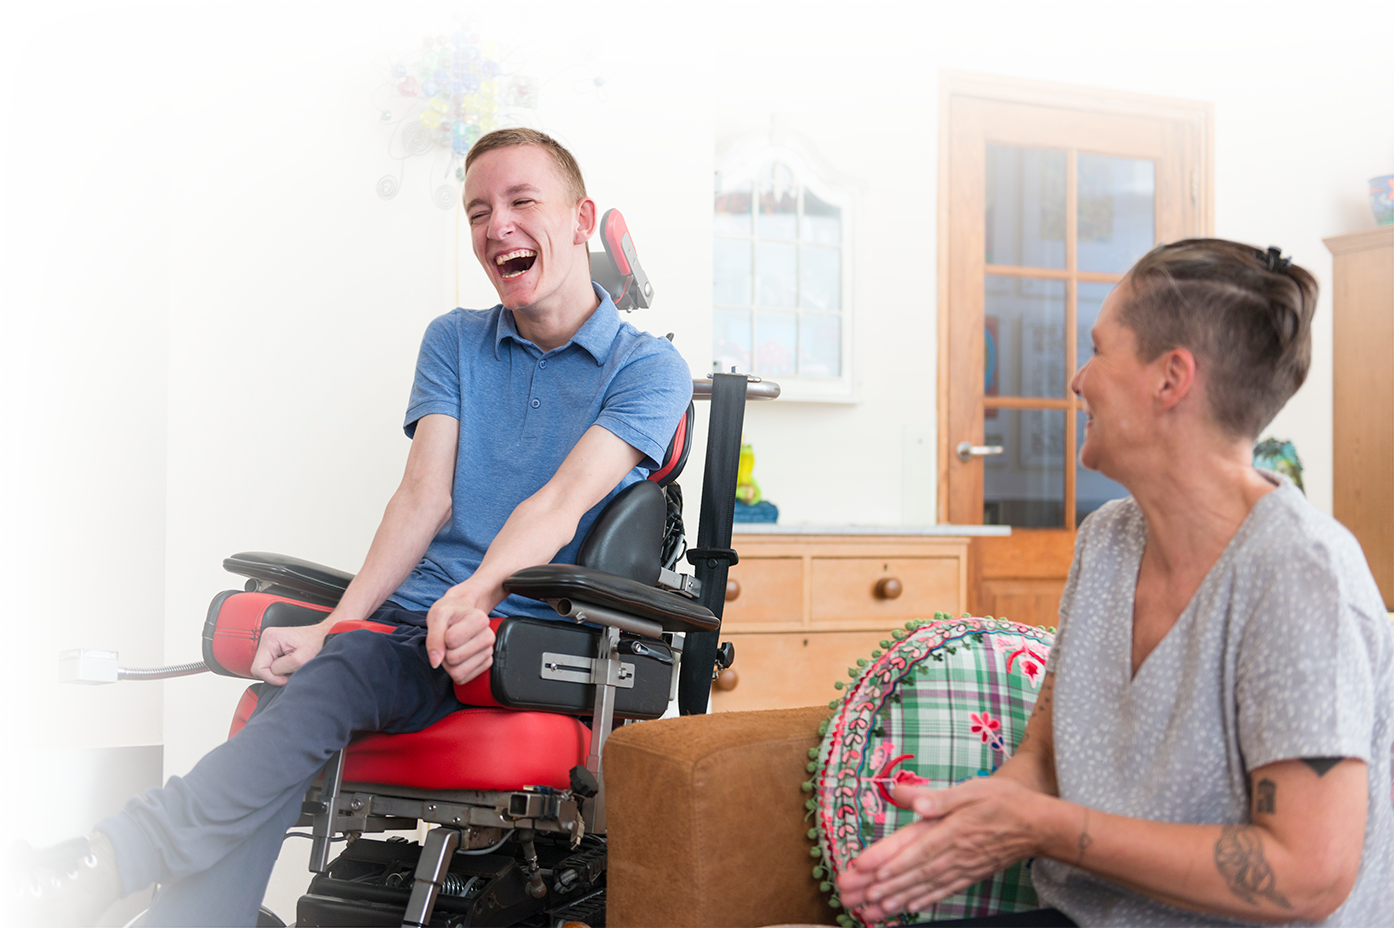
[1382,198]
[1280,455]
[763,511]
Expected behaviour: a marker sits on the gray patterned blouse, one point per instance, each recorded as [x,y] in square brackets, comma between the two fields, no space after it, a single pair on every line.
[1284,652]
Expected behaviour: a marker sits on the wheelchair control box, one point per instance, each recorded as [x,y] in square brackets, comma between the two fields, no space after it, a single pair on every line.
[546,665]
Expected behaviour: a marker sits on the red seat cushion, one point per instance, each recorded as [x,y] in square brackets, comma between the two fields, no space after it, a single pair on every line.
[470,749]
[486,749]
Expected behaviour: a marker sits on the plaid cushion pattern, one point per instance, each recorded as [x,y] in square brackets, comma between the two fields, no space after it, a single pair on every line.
[955,695]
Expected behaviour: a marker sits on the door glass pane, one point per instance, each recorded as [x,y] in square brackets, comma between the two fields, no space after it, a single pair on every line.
[822,222]
[1025,485]
[1024,319]
[776,274]
[1092,489]
[820,346]
[779,203]
[776,340]
[1116,212]
[731,272]
[1025,206]
[732,214]
[1090,297]
[820,278]
[731,338]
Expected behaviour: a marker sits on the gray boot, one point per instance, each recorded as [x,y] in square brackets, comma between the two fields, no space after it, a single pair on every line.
[64,885]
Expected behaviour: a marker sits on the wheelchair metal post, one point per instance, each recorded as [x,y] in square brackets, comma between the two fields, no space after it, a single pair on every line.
[607,668]
[430,872]
[323,825]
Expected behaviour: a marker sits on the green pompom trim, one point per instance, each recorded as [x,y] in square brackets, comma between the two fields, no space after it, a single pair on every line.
[861,662]
[813,834]
[814,852]
[833,704]
[835,902]
[825,887]
[812,753]
[818,873]
[837,685]
[811,766]
[808,786]
[886,644]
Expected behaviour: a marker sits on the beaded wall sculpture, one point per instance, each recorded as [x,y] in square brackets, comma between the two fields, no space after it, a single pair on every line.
[941,702]
[467,74]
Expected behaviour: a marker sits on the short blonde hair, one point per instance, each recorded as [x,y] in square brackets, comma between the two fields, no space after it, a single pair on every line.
[508,138]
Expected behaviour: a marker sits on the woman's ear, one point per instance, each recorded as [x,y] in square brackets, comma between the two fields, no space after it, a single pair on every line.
[1178,378]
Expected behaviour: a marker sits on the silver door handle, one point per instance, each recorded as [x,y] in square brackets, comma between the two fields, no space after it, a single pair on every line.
[968,451]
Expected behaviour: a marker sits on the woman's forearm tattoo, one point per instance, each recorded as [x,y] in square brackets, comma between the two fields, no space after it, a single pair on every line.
[1239,858]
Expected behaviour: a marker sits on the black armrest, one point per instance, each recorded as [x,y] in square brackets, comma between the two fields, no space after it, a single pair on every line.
[290,575]
[551,582]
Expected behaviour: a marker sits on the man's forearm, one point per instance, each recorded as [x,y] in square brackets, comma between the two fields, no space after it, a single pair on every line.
[412,519]
[534,533]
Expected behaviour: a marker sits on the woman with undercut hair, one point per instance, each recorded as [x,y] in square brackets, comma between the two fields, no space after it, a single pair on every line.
[1212,738]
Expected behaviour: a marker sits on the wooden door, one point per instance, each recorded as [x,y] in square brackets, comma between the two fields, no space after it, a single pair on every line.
[1048,195]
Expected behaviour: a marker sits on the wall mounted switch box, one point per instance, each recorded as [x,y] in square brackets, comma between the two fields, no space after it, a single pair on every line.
[87,665]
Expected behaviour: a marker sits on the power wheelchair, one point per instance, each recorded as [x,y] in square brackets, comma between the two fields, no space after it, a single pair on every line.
[514,785]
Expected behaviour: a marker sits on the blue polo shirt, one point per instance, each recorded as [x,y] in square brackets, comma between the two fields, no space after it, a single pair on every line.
[521,411]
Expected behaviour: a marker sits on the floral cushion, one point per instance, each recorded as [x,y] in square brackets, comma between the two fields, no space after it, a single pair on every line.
[943,702]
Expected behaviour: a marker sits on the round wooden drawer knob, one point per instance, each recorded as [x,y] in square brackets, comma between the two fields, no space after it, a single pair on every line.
[727,680]
[888,588]
[733,591]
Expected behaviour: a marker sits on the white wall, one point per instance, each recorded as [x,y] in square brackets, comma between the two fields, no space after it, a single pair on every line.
[297,297]
[84,308]
[1301,120]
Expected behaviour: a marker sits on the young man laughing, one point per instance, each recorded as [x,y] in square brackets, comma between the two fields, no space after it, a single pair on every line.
[525,420]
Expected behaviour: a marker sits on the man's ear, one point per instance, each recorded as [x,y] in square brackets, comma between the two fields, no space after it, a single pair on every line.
[1178,378]
[585,221]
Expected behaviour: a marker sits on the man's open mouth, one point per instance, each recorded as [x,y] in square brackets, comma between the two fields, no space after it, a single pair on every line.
[515,263]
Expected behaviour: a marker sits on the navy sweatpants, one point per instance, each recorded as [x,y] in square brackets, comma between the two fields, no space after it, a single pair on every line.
[211,838]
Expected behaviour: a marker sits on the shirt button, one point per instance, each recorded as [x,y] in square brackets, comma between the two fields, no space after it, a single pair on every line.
[542,364]
[536,403]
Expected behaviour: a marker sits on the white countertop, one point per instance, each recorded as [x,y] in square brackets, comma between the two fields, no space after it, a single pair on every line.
[768,528]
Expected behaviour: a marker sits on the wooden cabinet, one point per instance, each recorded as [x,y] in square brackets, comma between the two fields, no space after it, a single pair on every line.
[800,609]
[1363,395]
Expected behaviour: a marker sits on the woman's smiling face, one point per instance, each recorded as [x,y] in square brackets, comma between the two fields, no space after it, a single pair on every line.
[1115,385]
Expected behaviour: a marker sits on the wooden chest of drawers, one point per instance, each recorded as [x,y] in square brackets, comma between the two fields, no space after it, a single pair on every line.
[800,609]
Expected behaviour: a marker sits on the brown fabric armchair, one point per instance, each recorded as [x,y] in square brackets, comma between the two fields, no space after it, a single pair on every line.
[706,821]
